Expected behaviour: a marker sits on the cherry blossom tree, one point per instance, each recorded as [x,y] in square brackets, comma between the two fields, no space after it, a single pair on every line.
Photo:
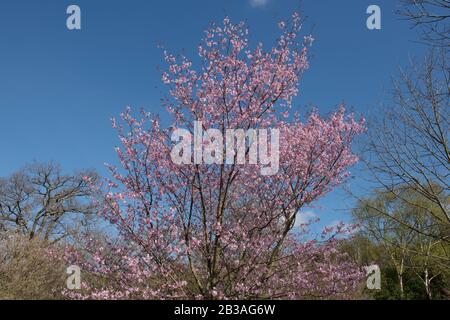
[225,231]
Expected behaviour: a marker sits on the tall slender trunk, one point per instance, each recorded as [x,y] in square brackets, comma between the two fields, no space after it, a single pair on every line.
[427,284]
[400,279]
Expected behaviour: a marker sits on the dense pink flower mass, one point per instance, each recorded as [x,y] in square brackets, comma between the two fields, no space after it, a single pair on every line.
[224,230]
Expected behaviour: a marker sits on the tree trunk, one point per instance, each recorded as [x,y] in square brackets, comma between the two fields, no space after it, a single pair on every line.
[427,284]
[400,279]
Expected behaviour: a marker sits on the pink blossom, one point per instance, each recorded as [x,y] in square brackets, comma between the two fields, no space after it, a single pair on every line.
[225,231]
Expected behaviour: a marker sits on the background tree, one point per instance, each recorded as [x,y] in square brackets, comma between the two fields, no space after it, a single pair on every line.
[430,257]
[405,221]
[431,17]
[418,255]
[408,146]
[386,233]
[28,269]
[40,201]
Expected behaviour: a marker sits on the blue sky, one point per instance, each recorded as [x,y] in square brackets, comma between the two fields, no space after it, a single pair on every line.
[59,88]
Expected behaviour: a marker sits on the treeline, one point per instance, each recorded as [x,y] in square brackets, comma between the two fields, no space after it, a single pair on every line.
[410,247]
[41,211]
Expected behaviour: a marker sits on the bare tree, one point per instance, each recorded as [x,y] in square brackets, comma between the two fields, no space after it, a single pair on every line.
[41,201]
[408,147]
[431,17]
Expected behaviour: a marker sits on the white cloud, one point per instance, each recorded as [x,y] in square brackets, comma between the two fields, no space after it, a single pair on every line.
[304,217]
[258,3]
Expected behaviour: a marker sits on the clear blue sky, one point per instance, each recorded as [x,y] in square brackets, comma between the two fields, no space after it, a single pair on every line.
[59,88]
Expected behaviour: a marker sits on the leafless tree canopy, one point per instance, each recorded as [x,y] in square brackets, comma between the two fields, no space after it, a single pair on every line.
[432,17]
[408,147]
[40,201]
